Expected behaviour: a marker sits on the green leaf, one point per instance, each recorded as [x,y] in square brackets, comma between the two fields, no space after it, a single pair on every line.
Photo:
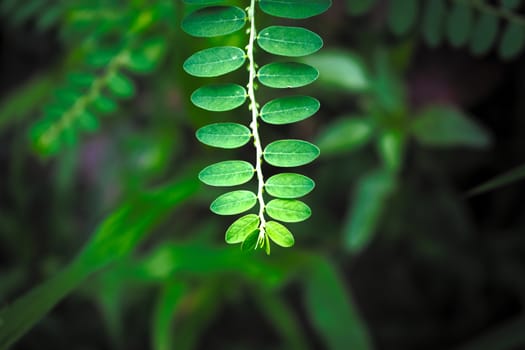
[502,180]
[295,9]
[219,97]
[233,203]
[340,69]
[444,126]
[289,185]
[484,34]
[512,41]
[288,210]
[214,21]
[203,2]
[279,234]
[290,153]
[86,121]
[434,22]
[331,310]
[224,135]
[402,15]
[250,242]
[121,85]
[289,41]
[215,61]
[227,173]
[459,24]
[391,145]
[105,104]
[147,56]
[368,202]
[511,4]
[290,109]
[287,75]
[345,135]
[359,7]
[241,228]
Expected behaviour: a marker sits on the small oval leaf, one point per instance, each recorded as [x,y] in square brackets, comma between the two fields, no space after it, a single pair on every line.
[289,185]
[215,61]
[287,75]
[295,9]
[290,153]
[242,228]
[279,234]
[219,97]
[233,203]
[214,21]
[289,109]
[120,85]
[250,242]
[227,173]
[224,135]
[484,34]
[289,41]
[288,210]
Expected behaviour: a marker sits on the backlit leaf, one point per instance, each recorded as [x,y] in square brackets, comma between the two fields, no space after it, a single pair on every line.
[227,173]
[289,109]
[288,210]
[290,153]
[241,228]
[295,9]
[233,203]
[250,242]
[215,61]
[289,41]
[279,234]
[287,75]
[224,135]
[289,185]
[214,21]
[220,97]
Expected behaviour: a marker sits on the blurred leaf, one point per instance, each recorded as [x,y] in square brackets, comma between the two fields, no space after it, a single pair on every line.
[484,34]
[402,15]
[502,180]
[459,24]
[434,22]
[166,307]
[511,4]
[345,135]
[340,69]
[512,41]
[331,309]
[367,205]
[445,126]
[391,145]
[359,7]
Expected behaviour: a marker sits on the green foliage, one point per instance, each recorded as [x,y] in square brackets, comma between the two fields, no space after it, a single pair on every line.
[473,24]
[253,231]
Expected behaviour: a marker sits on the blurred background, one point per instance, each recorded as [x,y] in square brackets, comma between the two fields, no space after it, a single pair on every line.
[417,235]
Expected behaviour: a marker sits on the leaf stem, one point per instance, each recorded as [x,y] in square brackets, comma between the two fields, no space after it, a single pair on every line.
[254,124]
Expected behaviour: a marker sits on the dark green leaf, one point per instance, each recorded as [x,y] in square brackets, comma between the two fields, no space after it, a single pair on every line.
[511,4]
[513,41]
[279,234]
[291,109]
[224,135]
[288,210]
[227,173]
[289,185]
[359,7]
[290,153]
[241,228]
[295,9]
[215,61]
[434,22]
[402,15]
[121,85]
[214,21]
[289,41]
[346,134]
[233,203]
[517,174]
[459,24]
[287,75]
[250,242]
[219,98]
[484,34]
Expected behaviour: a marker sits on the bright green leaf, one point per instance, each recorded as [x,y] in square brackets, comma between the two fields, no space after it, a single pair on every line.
[391,145]
[287,75]
[289,41]
[215,61]
[220,97]
[295,9]
[443,126]
[227,173]
[289,185]
[345,135]
[250,242]
[241,228]
[291,109]
[224,135]
[484,34]
[214,21]
[288,210]
[290,153]
[279,234]
[233,203]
